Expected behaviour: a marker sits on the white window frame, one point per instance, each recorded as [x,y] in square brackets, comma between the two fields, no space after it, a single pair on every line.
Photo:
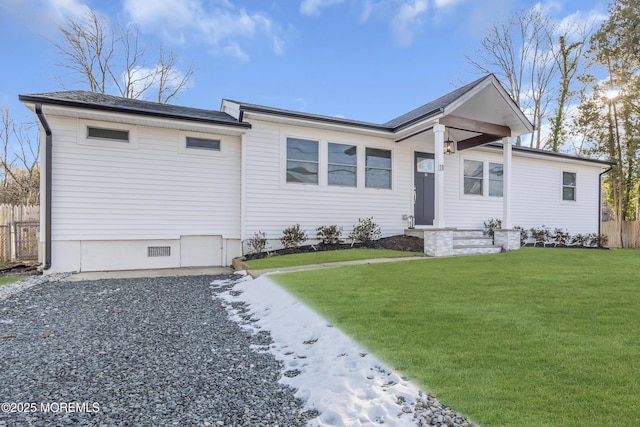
[323,163]
[84,139]
[320,170]
[562,186]
[390,169]
[485,179]
[193,151]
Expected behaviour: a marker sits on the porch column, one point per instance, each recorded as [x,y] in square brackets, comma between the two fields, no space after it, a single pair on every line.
[506,184]
[438,133]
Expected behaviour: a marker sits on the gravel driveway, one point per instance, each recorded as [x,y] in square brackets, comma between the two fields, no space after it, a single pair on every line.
[144,352]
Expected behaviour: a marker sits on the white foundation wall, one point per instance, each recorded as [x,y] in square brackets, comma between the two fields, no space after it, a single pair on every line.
[112,200]
[270,204]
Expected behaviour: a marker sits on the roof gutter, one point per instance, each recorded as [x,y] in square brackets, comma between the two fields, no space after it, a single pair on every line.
[47,183]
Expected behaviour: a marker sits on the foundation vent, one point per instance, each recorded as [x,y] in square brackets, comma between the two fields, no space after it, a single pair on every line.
[153,251]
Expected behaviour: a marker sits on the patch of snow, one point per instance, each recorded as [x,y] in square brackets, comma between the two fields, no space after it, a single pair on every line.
[331,373]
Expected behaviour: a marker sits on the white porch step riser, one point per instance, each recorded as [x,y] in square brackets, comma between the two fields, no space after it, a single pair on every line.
[472,241]
[476,250]
[471,234]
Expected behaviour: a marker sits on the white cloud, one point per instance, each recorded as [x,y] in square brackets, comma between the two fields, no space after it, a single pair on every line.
[312,7]
[233,49]
[407,21]
[195,20]
[446,3]
[278,45]
[44,16]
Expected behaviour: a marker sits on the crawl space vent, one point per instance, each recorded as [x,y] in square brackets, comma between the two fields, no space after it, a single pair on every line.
[153,251]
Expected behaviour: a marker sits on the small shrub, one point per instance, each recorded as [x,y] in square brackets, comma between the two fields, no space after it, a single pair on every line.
[597,240]
[329,234]
[580,240]
[365,231]
[293,237]
[524,234]
[540,235]
[257,243]
[491,226]
[560,237]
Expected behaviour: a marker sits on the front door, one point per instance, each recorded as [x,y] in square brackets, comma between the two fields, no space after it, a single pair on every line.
[424,195]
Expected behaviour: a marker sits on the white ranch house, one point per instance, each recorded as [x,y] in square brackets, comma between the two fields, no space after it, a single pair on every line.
[129,184]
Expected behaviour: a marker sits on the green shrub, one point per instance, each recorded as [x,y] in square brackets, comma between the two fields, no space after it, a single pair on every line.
[293,237]
[540,235]
[491,226]
[257,243]
[329,234]
[366,231]
[561,237]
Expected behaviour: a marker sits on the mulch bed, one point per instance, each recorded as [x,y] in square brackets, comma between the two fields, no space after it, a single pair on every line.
[398,243]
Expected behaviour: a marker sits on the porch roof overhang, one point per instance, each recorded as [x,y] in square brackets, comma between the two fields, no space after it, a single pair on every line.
[477,114]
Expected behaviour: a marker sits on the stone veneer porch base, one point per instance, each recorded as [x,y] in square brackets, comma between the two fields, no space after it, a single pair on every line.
[439,242]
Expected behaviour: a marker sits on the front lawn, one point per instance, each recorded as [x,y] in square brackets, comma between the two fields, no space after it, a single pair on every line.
[535,337]
[322,257]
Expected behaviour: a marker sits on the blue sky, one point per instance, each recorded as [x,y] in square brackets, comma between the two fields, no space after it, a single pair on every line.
[368,60]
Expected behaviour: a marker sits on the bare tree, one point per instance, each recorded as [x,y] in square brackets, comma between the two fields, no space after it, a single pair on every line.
[113,59]
[568,53]
[518,53]
[20,162]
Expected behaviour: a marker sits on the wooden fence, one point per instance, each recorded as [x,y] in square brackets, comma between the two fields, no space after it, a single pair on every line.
[19,227]
[630,234]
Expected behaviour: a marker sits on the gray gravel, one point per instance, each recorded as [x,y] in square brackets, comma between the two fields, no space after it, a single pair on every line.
[144,352]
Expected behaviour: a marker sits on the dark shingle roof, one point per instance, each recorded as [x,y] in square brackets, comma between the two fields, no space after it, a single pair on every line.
[420,113]
[92,100]
[244,106]
[433,107]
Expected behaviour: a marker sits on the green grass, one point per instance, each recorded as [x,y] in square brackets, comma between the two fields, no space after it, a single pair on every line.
[535,337]
[8,280]
[321,257]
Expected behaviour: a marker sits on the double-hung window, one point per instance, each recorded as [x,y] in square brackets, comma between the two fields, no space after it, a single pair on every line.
[378,168]
[482,178]
[569,186]
[302,161]
[496,178]
[342,165]
[473,177]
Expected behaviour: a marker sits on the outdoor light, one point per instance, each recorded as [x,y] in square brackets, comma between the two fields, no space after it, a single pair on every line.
[449,145]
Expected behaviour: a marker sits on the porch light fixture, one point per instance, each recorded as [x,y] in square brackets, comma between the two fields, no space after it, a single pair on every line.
[449,145]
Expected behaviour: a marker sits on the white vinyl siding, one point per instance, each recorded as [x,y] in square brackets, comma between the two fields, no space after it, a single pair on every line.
[536,193]
[272,203]
[150,190]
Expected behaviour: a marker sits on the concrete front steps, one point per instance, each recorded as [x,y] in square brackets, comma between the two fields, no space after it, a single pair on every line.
[464,242]
[473,242]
